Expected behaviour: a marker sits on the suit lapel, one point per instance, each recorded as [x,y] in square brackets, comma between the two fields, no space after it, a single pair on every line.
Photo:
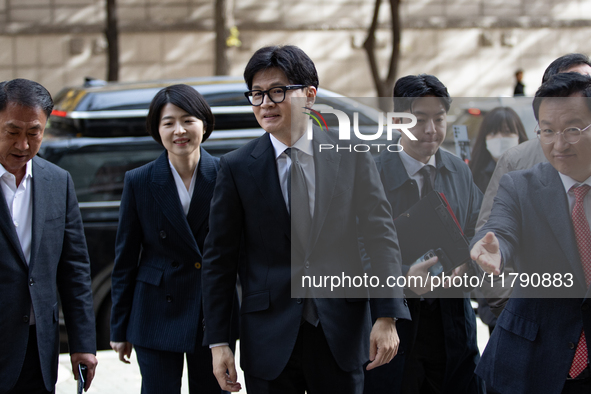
[554,207]
[395,172]
[326,168]
[41,187]
[8,229]
[204,185]
[165,193]
[263,170]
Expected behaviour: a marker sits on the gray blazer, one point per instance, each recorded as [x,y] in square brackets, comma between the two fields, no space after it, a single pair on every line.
[59,262]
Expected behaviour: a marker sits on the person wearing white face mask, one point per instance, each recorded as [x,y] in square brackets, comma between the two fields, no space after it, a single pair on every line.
[497,144]
[501,129]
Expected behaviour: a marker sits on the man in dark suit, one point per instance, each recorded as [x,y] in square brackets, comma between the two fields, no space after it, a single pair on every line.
[438,347]
[43,251]
[540,224]
[292,345]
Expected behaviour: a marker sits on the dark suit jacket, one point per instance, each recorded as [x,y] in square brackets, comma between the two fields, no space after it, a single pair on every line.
[59,262]
[248,205]
[453,179]
[156,282]
[534,342]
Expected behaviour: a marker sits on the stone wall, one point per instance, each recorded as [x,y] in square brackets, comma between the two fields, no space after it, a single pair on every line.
[471,45]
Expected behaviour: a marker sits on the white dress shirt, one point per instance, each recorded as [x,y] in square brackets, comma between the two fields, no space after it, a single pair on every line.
[19,200]
[184,194]
[413,166]
[306,158]
[20,205]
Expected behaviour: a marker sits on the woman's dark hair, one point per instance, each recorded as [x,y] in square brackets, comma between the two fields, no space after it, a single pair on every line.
[297,66]
[500,119]
[186,98]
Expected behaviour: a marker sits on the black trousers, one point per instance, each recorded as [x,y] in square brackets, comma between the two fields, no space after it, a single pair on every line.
[424,371]
[30,380]
[311,368]
[162,371]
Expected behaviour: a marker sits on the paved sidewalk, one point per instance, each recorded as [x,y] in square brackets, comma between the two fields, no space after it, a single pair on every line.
[114,377]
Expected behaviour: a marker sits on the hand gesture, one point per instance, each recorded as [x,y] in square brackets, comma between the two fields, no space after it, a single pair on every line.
[487,254]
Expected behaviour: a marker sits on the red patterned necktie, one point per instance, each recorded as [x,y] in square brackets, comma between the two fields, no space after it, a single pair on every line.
[583,237]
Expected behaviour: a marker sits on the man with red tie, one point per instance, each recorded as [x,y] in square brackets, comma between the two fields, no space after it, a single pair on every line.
[540,222]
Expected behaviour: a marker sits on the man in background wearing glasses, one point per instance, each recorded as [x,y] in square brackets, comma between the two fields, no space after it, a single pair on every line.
[282,208]
[540,222]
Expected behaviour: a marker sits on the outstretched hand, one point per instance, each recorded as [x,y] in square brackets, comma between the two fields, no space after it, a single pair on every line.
[487,254]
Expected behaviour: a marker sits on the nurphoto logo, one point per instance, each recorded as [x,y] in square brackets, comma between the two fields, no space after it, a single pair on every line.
[345,130]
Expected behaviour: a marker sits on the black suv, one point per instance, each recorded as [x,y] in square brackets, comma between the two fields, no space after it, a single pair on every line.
[97,133]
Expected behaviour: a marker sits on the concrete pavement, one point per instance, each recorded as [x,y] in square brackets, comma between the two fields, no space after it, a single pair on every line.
[114,377]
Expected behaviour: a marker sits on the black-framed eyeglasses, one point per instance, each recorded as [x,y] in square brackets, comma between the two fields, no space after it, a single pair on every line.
[276,94]
[572,135]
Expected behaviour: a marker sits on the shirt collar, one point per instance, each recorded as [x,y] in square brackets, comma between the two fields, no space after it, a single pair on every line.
[569,182]
[174,171]
[28,170]
[303,144]
[412,165]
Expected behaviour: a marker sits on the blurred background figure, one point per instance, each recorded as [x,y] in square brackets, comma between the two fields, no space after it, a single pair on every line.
[519,86]
[501,130]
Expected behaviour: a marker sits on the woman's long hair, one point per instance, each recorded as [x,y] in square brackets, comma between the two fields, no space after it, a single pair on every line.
[502,119]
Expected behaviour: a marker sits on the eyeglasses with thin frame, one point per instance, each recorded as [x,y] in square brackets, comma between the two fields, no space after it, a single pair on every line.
[276,94]
[572,135]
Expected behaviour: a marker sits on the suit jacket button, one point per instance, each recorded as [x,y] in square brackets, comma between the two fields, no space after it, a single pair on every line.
[162,234]
[571,345]
[405,302]
[198,265]
[307,265]
[168,298]
[175,264]
[26,319]
[31,282]
[299,300]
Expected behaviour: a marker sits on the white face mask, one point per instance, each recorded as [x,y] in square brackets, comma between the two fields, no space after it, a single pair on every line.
[498,146]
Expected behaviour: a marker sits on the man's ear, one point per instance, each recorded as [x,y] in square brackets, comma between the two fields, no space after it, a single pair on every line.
[310,96]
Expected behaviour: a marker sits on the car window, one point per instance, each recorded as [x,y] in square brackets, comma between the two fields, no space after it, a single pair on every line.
[98,171]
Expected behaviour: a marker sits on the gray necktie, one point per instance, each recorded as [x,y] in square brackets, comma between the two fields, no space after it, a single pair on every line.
[298,199]
[297,192]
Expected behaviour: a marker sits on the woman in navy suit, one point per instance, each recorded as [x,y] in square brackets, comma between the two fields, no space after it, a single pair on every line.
[163,221]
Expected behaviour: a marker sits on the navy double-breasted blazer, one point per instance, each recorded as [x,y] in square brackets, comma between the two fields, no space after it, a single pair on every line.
[156,281]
